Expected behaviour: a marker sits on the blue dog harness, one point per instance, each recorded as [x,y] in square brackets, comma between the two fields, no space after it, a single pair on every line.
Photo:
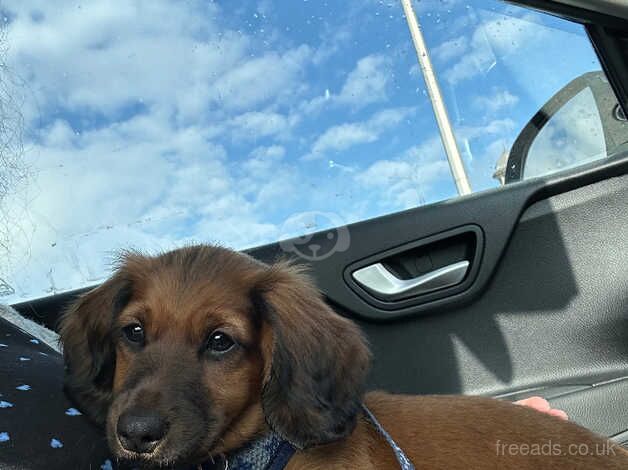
[271,452]
[404,462]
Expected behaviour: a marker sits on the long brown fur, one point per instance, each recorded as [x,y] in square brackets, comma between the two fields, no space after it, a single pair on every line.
[298,369]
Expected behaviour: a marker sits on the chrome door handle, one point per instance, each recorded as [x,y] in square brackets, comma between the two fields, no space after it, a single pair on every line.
[381,282]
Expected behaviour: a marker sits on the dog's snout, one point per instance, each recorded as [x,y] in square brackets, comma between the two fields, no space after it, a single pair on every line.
[141,430]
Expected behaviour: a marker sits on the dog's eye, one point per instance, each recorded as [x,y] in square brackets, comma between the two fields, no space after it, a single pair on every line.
[219,342]
[134,333]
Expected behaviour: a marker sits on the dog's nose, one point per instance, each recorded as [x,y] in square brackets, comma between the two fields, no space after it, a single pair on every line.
[140,430]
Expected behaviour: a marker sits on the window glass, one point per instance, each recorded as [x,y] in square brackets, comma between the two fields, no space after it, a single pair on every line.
[156,123]
[573,136]
[497,66]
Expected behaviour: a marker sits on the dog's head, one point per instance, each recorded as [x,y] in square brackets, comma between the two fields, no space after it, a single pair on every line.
[197,351]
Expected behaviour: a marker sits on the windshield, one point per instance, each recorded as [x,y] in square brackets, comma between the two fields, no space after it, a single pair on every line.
[156,123]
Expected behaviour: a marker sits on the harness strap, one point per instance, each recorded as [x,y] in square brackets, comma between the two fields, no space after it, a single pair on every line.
[268,453]
[281,458]
[274,453]
[402,458]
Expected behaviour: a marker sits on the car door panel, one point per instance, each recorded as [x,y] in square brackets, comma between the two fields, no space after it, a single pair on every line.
[601,407]
[553,314]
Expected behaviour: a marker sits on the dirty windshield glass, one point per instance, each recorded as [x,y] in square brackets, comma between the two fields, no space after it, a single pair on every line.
[156,123]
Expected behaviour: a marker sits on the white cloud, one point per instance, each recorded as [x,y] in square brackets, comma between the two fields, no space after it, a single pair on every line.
[271,152]
[407,180]
[494,127]
[257,81]
[495,39]
[344,136]
[388,118]
[472,139]
[436,6]
[332,41]
[126,186]
[263,159]
[499,100]
[149,97]
[150,179]
[366,84]
[450,49]
[480,60]
[255,124]
[187,66]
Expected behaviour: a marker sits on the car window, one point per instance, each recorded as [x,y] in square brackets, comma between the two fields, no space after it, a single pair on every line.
[498,66]
[147,125]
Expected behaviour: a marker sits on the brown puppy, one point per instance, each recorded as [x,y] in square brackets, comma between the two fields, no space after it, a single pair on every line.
[196,352]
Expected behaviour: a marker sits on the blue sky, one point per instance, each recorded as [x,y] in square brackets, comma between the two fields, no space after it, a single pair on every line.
[151,124]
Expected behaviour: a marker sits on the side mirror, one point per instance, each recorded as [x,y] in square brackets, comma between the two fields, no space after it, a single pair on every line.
[583,122]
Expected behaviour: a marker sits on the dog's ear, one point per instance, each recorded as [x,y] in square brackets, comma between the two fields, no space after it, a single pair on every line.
[88,349]
[315,361]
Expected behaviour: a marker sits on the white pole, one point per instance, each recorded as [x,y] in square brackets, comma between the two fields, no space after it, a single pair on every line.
[446,131]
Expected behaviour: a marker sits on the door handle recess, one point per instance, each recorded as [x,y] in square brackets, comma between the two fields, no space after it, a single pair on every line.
[384,284]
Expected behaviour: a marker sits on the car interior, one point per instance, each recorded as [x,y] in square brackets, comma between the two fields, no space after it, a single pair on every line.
[512,292]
